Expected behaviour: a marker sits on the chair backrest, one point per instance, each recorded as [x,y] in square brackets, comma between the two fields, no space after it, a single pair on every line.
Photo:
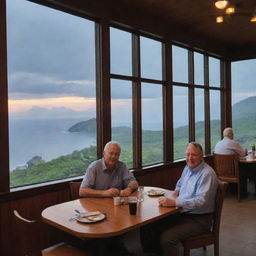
[26,235]
[220,195]
[226,165]
[74,189]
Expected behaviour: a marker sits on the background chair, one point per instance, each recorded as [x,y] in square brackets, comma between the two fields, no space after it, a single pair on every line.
[227,169]
[212,237]
[74,189]
[29,242]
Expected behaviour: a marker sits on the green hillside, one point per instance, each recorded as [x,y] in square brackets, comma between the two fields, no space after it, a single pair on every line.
[244,108]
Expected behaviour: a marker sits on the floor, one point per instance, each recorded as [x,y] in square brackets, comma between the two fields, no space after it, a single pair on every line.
[237,229]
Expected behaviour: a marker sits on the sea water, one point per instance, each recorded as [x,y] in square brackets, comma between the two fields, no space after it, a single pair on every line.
[47,138]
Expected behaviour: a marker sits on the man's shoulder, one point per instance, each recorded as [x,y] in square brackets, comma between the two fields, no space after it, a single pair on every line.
[208,169]
[96,163]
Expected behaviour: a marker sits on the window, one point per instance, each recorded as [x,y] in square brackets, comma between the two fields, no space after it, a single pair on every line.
[180,120]
[151,58]
[199,68]
[52,101]
[244,102]
[121,117]
[152,123]
[180,64]
[52,94]
[199,116]
[215,118]
[121,52]
[214,72]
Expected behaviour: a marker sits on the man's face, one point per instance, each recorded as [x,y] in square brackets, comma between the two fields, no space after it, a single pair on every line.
[193,156]
[111,156]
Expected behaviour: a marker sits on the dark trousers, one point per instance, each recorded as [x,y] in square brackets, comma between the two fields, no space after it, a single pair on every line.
[164,237]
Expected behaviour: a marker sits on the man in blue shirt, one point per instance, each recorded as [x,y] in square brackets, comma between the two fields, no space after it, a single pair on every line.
[195,193]
[108,177]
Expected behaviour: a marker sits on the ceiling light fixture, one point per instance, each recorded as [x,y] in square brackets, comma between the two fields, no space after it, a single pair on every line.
[253,18]
[219,19]
[221,4]
[230,10]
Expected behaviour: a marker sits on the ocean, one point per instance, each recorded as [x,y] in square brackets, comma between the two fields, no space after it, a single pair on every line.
[46,138]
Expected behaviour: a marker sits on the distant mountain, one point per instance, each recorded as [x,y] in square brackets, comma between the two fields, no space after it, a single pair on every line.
[90,126]
[244,108]
[36,112]
[84,126]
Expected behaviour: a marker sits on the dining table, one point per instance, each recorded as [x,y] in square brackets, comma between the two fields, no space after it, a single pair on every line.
[117,219]
[247,166]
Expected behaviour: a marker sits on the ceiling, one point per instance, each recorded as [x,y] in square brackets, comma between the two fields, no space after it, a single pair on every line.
[190,22]
[235,38]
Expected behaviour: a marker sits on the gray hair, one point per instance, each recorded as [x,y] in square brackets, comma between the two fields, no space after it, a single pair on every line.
[228,132]
[108,144]
[196,145]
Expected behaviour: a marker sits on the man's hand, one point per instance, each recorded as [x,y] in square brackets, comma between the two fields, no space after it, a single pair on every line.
[111,192]
[125,192]
[166,202]
[175,193]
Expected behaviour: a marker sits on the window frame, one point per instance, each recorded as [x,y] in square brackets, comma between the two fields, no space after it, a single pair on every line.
[103,102]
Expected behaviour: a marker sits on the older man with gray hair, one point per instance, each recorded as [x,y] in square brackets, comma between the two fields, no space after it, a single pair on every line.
[228,146]
[108,176]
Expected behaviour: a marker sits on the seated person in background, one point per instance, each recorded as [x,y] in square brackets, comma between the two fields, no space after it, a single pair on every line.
[227,146]
[108,177]
[195,193]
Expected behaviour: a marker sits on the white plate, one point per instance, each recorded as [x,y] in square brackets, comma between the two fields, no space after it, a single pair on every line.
[155,192]
[91,217]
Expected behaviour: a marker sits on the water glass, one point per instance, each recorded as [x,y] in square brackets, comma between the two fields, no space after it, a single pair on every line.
[140,194]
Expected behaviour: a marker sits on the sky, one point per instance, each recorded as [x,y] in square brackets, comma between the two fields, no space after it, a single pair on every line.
[51,67]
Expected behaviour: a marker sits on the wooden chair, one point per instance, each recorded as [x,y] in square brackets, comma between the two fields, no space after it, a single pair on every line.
[29,242]
[212,237]
[74,189]
[227,169]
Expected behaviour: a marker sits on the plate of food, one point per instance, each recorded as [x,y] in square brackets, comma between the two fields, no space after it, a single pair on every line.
[155,192]
[91,217]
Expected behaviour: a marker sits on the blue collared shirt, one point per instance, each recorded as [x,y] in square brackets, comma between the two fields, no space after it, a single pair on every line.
[98,177]
[197,189]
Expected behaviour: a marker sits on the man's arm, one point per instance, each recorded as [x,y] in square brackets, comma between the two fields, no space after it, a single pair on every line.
[89,192]
[131,187]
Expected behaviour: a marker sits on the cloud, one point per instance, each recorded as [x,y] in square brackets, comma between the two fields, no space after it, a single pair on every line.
[26,85]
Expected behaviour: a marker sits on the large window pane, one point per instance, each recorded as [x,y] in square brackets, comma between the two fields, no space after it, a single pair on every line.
[180,120]
[199,116]
[152,123]
[51,79]
[121,113]
[215,118]
[214,72]
[244,102]
[151,58]
[180,64]
[121,52]
[199,68]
